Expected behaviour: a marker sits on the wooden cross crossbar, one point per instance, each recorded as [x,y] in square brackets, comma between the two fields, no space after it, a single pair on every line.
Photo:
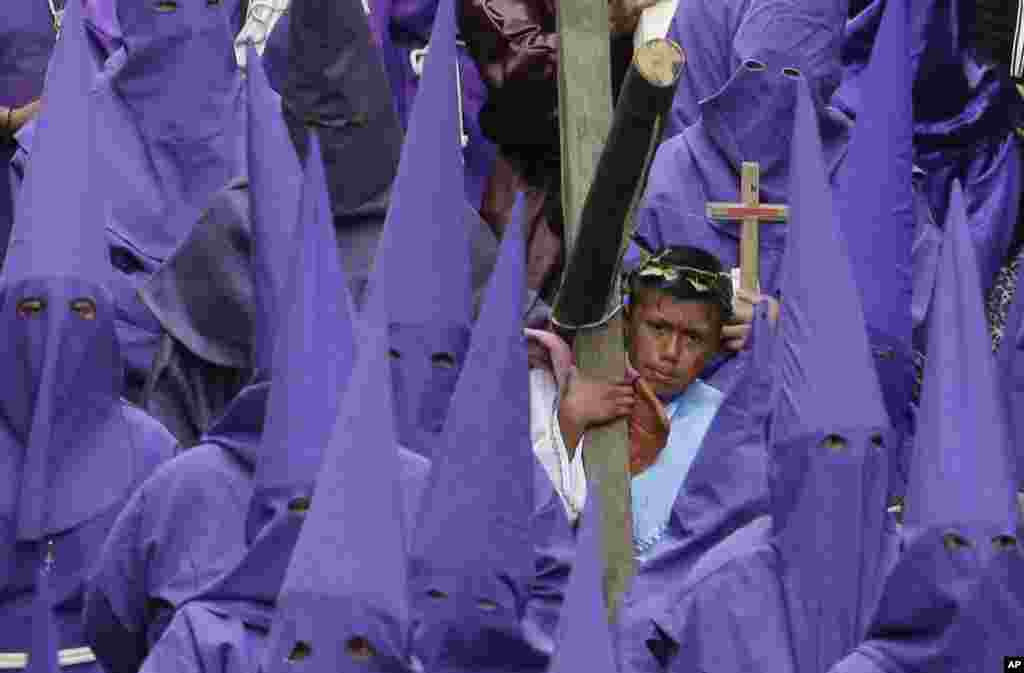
[751,212]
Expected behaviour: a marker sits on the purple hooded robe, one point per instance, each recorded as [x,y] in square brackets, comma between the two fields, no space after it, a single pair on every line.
[71,450]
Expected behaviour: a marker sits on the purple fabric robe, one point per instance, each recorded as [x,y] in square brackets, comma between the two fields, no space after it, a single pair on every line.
[183,528]
[221,635]
[71,451]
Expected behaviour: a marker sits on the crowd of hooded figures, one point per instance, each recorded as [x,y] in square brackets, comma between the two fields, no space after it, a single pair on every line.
[281,390]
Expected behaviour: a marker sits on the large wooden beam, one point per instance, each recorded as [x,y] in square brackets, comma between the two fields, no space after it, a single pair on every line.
[601,183]
[584,100]
[585,117]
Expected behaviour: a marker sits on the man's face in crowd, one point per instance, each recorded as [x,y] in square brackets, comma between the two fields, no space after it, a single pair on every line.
[670,340]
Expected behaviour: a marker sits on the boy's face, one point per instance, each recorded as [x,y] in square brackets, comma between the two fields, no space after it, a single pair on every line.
[671,340]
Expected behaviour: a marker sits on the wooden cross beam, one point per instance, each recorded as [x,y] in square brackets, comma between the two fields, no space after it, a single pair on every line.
[604,164]
[751,212]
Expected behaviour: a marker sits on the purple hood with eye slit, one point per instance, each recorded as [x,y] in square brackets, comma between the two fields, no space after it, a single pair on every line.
[66,451]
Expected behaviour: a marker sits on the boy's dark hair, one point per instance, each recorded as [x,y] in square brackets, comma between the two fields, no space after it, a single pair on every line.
[686,273]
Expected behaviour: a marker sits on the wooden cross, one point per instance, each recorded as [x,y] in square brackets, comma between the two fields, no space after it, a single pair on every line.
[751,212]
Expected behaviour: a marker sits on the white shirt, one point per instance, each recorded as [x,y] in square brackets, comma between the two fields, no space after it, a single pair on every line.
[566,475]
[654,491]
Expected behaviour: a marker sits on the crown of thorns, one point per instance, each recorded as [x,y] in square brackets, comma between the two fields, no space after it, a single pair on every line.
[685,282]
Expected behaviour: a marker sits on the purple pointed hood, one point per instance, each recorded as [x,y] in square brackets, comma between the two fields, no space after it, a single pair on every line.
[313,357]
[472,557]
[179,74]
[344,603]
[875,202]
[337,83]
[586,641]
[960,398]
[314,353]
[955,601]
[720,36]
[421,284]
[811,379]
[67,451]
[829,430]
[174,123]
[762,134]
[275,186]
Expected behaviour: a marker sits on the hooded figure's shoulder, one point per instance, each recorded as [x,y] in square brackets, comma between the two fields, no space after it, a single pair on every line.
[206,477]
[154,443]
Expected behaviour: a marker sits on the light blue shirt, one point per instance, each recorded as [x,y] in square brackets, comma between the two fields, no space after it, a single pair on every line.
[654,490]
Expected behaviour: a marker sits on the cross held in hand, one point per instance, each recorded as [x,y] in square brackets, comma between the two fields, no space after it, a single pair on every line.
[751,212]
